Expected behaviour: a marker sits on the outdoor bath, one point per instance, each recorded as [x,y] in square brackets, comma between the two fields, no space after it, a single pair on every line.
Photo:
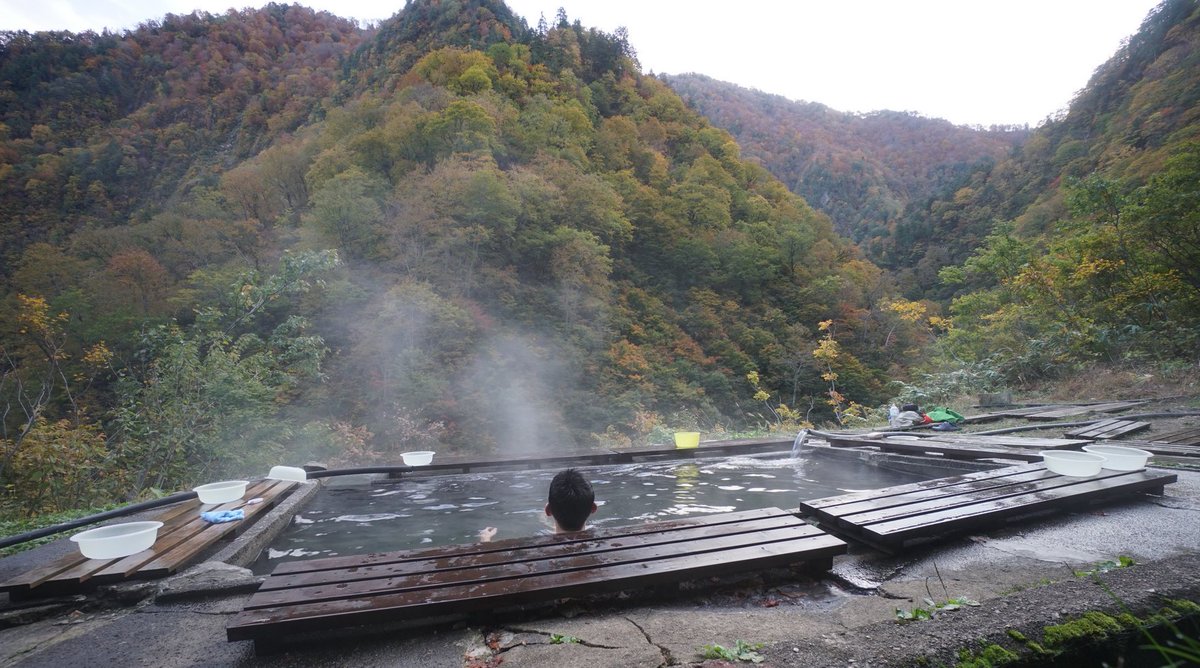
[357,514]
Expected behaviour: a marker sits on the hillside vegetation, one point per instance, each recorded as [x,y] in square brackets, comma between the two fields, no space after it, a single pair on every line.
[863,170]
[1085,244]
[270,236]
[1078,243]
[273,237]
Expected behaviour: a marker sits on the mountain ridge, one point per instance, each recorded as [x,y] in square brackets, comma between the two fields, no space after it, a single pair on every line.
[862,169]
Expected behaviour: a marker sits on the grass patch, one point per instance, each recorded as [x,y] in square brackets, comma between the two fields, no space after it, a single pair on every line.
[741,651]
[1106,566]
[12,527]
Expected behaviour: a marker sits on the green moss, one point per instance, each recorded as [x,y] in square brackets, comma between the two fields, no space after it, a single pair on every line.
[1034,647]
[1184,606]
[1092,625]
[1037,648]
[991,655]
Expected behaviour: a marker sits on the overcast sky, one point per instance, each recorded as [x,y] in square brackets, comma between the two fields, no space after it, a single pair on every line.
[968,61]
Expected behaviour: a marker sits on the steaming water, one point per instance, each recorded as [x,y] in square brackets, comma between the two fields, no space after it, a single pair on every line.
[435,510]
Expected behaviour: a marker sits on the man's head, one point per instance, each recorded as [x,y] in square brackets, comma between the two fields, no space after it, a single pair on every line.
[571,500]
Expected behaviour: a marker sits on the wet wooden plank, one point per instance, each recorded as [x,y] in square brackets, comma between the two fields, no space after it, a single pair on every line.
[1029,410]
[551,460]
[606,564]
[501,546]
[1108,429]
[524,554]
[1125,485]
[812,505]
[558,460]
[966,440]
[1029,442]
[968,489]
[181,538]
[711,448]
[890,517]
[958,450]
[1189,436]
[938,446]
[416,577]
[898,509]
[1165,449]
[168,561]
[1068,411]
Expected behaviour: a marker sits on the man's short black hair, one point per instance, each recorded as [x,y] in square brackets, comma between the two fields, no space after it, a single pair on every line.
[571,499]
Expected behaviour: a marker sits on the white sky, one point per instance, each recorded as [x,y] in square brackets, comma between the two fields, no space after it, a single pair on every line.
[968,61]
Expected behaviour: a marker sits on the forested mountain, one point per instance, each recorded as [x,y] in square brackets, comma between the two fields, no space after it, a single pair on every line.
[1076,243]
[863,170]
[268,236]
[1087,240]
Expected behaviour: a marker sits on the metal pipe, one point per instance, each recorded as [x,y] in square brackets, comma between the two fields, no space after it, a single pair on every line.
[98,517]
[355,471]
[164,501]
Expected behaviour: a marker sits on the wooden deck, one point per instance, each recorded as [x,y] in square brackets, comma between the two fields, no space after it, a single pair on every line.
[1189,436]
[419,586]
[183,537]
[890,518]
[1059,411]
[1108,429]
[1165,449]
[962,446]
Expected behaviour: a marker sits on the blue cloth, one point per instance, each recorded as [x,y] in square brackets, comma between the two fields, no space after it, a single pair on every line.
[219,516]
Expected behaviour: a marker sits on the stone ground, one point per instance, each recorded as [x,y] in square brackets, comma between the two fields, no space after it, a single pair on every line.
[1022,576]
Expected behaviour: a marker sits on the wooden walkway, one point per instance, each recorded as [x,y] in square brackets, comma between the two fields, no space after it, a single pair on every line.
[1180,443]
[1166,449]
[416,587]
[962,446]
[182,538]
[1188,436]
[1062,411]
[892,517]
[1108,429]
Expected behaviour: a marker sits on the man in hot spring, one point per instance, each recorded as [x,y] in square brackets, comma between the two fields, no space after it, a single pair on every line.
[571,502]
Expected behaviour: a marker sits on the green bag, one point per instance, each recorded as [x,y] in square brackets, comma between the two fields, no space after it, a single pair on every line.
[939,414]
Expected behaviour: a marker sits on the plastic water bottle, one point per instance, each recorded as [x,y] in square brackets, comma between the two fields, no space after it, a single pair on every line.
[893,413]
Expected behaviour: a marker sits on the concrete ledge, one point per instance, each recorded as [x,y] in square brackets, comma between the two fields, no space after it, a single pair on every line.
[244,549]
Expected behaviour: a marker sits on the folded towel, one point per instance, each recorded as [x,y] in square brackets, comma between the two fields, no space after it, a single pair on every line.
[218,516]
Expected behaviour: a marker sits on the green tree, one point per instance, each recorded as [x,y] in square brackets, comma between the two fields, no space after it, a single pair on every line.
[206,401]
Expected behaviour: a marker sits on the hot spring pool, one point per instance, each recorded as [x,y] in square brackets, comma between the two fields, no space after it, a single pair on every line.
[355,517]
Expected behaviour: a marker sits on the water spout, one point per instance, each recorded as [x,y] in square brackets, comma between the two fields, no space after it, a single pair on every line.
[800,439]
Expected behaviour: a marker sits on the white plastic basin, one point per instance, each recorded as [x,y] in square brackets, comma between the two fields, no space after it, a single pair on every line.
[221,492]
[288,473]
[1071,463]
[117,540]
[1120,457]
[417,457]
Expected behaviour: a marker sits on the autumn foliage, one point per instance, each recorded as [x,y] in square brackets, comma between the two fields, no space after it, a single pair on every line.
[269,236]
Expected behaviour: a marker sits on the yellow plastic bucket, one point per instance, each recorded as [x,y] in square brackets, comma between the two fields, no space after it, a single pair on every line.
[687,439]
